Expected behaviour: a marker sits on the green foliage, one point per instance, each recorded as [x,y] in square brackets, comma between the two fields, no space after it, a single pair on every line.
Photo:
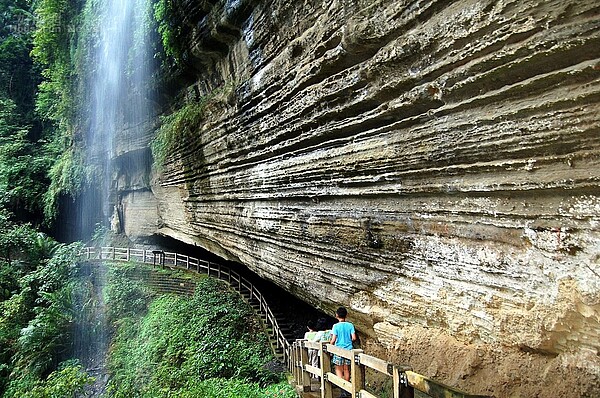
[36,308]
[176,130]
[124,295]
[68,380]
[15,239]
[100,232]
[169,28]
[25,155]
[22,163]
[55,46]
[232,388]
[48,288]
[67,175]
[18,77]
[52,34]
[185,347]
[179,128]
[52,42]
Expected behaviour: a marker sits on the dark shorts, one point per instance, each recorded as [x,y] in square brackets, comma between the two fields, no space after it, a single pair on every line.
[339,361]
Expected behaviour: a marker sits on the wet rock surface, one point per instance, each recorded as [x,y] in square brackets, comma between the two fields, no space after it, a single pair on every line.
[433,166]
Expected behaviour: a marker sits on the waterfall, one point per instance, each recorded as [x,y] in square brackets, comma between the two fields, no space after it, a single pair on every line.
[90,329]
[117,111]
[120,71]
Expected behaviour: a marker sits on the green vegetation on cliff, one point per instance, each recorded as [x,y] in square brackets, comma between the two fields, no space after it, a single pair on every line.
[179,128]
[175,130]
[40,66]
[36,272]
[62,43]
[169,28]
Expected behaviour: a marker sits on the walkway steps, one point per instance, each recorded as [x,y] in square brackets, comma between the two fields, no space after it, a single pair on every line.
[276,348]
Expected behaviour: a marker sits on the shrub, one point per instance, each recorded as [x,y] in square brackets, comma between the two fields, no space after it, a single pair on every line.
[187,347]
[68,380]
[125,296]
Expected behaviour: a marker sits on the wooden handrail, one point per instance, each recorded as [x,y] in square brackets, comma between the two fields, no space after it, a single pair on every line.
[183,262]
[405,381]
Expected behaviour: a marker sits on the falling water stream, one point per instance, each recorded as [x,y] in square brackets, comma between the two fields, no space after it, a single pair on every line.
[91,330]
[120,71]
[118,102]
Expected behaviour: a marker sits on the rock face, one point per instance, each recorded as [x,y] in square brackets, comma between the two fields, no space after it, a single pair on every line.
[434,166]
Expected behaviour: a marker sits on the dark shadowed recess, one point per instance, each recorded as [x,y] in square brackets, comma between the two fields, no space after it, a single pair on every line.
[288,309]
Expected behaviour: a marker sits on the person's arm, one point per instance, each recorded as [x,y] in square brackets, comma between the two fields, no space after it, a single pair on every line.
[333,335]
[317,336]
[353,336]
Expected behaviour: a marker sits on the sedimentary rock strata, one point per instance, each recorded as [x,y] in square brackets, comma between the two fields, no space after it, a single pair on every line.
[432,165]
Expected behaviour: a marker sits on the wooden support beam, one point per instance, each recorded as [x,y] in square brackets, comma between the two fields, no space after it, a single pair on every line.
[402,388]
[326,388]
[339,351]
[338,381]
[313,370]
[436,389]
[357,373]
[377,364]
[366,394]
[304,375]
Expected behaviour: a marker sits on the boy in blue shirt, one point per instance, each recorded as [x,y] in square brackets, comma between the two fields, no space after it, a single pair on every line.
[342,335]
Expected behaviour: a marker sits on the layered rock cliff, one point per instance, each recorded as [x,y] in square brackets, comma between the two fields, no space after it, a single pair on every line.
[432,165]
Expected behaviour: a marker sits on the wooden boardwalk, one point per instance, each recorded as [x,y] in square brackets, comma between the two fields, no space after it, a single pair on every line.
[404,382]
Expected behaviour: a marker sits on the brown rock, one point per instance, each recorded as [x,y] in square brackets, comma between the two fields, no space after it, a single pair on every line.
[433,166]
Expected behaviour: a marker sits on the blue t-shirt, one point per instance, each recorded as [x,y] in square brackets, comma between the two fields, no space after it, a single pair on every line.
[343,331]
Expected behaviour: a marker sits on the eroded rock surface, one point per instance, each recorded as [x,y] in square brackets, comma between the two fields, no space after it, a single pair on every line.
[432,165]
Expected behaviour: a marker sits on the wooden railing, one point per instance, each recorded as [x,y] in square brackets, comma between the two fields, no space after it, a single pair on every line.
[404,380]
[159,258]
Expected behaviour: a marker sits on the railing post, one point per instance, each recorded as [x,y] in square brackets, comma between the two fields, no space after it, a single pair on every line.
[304,375]
[326,389]
[128,254]
[187,262]
[292,360]
[113,253]
[265,309]
[294,364]
[219,270]
[291,363]
[401,387]
[144,256]
[296,371]
[208,270]
[357,373]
